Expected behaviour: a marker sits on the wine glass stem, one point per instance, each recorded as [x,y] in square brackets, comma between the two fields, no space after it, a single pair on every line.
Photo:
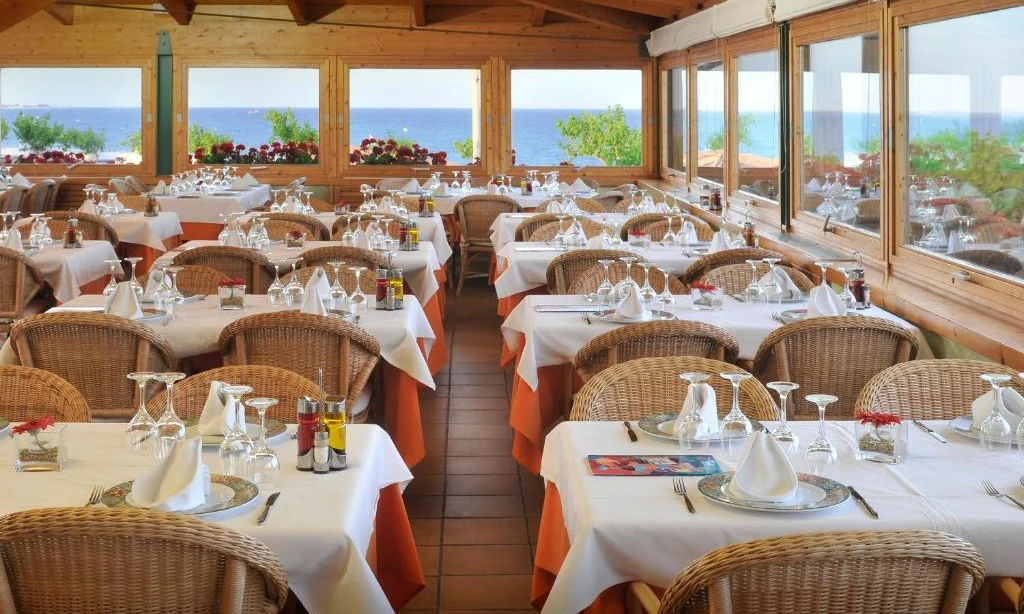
[821,421]
[783,399]
[735,398]
[263,426]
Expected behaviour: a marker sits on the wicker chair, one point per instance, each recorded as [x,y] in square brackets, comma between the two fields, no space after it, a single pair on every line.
[734,278]
[11,199]
[590,205]
[938,389]
[526,227]
[321,206]
[657,230]
[641,222]
[195,279]
[351,256]
[314,227]
[303,342]
[348,279]
[21,282]
[277,230]
[32,393]
[990,259]
[235,262]
[833,355]
[282,384]
[587,281]
[653,339]
[849,572]
[564,268]
[53,196]
[135,184]
[121,187]
[475,214]
[738,255]
[339,225]
[394,183]
[625,188]
[609,199]
[622,206]
[548,231]
[649,386]
[83,560]
[65,343]
[93,226]
[35,197]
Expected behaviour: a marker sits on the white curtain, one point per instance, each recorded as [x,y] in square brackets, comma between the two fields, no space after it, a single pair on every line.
[735,16]
[791,9]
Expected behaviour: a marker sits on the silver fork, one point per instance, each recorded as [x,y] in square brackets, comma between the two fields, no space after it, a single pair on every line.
[679,486]
[95,496]
[991,490]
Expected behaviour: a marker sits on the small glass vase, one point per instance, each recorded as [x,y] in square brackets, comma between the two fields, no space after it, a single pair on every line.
[231,297]
[295,242]
[43,451]
[881,444]
[707,300]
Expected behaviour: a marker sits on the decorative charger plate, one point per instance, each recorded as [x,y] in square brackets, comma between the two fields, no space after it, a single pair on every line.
[964,425]
[663,426]
[798,299]
[276,430]
[656,315]
[813,493]
[345,316]
[792,315]
[226,492]
[152,316]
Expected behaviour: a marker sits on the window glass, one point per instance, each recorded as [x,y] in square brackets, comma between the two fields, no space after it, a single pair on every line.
[757,104]
[676,119]
[711,121]
[68,115]
[841,131]
[965,164]
[578,117]
[254,115]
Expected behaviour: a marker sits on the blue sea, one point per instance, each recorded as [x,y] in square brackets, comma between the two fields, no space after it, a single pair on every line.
[535,133]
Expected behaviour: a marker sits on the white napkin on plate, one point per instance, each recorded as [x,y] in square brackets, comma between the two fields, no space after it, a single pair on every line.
[848,211]
[152,283]
[88,207]
[630,307]
[219,412]
[580,186]
[813,185]
[564,187]
[318,281]
[160,189]
[596,241]
[982,407]
[14,240]
[239,184]
[313,299]
[690,232]
[719,242]
[180,482]
[708,404]
[764,473]
[21,180]
[412,186]
[954,244]
[942,241]
[360,239]
[555,206]
[823,301]
[789,288]
[123,302]
[442,190]
[661,207]
[250,181]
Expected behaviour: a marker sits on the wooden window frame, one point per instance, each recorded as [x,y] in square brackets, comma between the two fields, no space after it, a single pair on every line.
[314,173]
[666,64]
[147,111]
[711,51]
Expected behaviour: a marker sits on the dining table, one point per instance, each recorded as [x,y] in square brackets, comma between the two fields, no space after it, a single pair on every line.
[503,229]
[445,204]
[599,532]
[200,214]
[405,336]
[540,345]
[142,236]
[329,531]
[76,271]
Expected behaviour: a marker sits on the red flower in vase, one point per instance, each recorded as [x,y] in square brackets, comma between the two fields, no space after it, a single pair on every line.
[702,287]
[879,418]
[32,427]
[230,283]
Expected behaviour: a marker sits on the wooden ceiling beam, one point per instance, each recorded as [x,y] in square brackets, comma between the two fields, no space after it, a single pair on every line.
[419,12]
[299,11]
[599,15]
[64,13]
[538,16]
[179,10]
[644,7]
[13,12]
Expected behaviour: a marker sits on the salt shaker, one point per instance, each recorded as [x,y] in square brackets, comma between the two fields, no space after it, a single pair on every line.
[321,452]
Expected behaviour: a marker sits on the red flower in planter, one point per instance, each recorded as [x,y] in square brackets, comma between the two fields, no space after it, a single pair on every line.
[879,418]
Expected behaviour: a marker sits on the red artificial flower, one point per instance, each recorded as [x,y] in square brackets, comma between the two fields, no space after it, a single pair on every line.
[34,426]
[230,283]
[879,418]
[296,234]
[702,287]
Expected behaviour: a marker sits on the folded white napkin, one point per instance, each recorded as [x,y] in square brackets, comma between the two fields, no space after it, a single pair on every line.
[813,185]
[950,212]
[630,307]
[580,186]
[88,207]
[412,186]
[365,187]
[313,298]
[596,241]
[250,181]
[941,240]
[848,211]
[152,283]
[123,302]
[360,239]
[564,187]
[954,244]
[14,240]
[789,289]
[180,482]
[118,205]
[219,412]
[175,182]
[318,281]
[708,404]
[982,407]
[661,207]
[764,473]
[836,189]
[719,242]
[442,190]
[690,232]
[160,189]
[492,189]
[239,184]
[21,180]
[823,301]
[555,206]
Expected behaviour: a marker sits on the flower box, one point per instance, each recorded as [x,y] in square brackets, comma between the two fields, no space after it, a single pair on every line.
[295,239]
[706,298]
[881,438]
[37,447]
[231,294]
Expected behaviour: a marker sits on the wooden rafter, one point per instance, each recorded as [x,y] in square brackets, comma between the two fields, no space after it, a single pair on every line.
[644,7]
[298,11]
[179,10]
[600,15]
[419,12]
[64,13]
[15,11]
[538,15]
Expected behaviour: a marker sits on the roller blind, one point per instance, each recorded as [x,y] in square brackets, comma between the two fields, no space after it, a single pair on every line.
[790,9]
[719,21]
[735,16]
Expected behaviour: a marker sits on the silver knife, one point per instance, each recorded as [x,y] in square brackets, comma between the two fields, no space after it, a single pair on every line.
[271,500]
[924,427]
[863,502]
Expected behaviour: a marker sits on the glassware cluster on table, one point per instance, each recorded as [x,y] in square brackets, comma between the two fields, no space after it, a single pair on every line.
[924,197]
[239,455]
[203,180]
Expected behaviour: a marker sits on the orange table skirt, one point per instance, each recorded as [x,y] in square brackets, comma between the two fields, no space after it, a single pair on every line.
[402,414]
[507,304]
[148,254]
[196,231]
[95,286]
[552,548]
[397,563]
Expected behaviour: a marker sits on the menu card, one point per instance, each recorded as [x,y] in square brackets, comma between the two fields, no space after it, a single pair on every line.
[657,464]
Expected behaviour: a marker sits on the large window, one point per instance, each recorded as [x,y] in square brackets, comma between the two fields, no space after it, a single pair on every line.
[711,121]
[414,116]
[964,161]
[675,121]
[68,115]
[578,117]
[254,115]
[841,146]
[757,105]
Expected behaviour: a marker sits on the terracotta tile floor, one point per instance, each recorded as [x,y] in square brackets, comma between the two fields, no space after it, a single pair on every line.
[474,510]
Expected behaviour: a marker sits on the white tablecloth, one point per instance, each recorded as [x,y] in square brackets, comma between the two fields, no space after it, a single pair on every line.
[524,266]
[431,231]
[445,205]
[554,338]
[138,229]
[320,527]
[66,270]
[503,230]
[198,325]
[207,209]
[635,528]
[419,267]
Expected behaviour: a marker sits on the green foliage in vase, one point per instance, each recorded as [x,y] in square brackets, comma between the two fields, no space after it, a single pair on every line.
[604,135]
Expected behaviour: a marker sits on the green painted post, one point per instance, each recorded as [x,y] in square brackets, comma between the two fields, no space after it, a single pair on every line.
[164,106]
[785,128]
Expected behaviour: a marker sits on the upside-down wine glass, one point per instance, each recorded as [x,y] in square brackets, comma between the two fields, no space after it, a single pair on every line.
[174,297]
[773,290]
[666,299]
[735,426]
[134,281]
[620,288]
[782,433]
[111,286]
[337,292]
[236,446]
[169,427]
[357,299]
[821,455]
[691,429]
[996,434]
[263,464]
[293,290]
[754,292]
[141,430]
[606,290]
[647,293]
[275,292]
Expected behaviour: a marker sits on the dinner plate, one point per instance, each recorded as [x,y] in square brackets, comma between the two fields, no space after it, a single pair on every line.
[226,492]
[964,425]
[803,297]
[655,316]
[663,426]
[813,493]
[126,211]
[276,431]
[345,316]
[792,315]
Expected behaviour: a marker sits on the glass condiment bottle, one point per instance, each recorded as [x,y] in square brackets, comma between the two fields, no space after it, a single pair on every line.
[705,198]
[321,452]
[748,228]
[397,283]
[308,415]
[403,235]
[335,419]
[381,285]
[430,204]
[414,237]
[716,200]
[152,206]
